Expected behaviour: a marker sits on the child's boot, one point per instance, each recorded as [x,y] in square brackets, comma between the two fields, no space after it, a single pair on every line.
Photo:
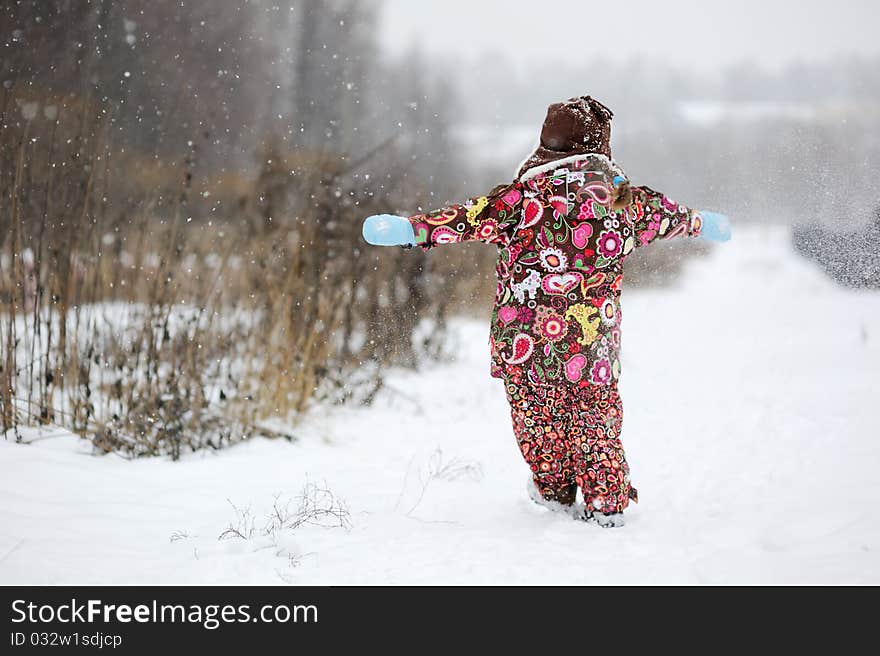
[562,500]
[611,520]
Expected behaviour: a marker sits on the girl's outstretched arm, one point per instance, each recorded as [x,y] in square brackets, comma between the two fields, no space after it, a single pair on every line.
[488,218]
[656,216]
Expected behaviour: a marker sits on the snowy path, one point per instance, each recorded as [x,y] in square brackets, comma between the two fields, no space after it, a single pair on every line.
[752,427]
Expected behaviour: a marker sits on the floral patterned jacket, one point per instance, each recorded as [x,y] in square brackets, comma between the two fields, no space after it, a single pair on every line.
[556,319]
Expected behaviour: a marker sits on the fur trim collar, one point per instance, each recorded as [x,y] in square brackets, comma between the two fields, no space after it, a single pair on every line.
[561,163]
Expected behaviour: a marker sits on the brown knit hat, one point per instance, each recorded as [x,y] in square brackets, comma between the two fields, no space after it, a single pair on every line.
[575,127]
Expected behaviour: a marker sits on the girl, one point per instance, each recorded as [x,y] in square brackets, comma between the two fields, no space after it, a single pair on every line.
[563,228]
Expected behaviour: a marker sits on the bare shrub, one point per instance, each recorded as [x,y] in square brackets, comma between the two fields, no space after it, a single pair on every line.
[242,527]
[180,251]
[439,468]
[316,505]
[152,329]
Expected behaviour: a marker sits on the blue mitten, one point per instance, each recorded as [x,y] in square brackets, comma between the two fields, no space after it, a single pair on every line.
[388,230]
[716,227]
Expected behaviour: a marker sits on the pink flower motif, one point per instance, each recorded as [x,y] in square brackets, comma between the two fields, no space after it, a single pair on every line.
[487,229]
[586,211]
[669,204]
[525,315]
[600,374]
[609,244]
[552,327]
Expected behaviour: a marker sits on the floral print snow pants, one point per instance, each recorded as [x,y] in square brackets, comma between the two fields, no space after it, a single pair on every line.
[570,438]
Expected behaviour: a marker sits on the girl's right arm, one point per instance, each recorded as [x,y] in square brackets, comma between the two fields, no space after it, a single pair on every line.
[489,219]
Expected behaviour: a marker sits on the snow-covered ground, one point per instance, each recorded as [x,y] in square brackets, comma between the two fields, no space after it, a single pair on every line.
[752,427]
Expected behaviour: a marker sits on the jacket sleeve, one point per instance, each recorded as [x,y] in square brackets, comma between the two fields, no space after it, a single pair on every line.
[656,216]
[491,219]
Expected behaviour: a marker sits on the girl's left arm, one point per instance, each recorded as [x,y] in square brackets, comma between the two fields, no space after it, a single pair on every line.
[656,216]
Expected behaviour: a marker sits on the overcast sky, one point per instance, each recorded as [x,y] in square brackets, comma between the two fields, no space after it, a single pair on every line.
[685,33]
